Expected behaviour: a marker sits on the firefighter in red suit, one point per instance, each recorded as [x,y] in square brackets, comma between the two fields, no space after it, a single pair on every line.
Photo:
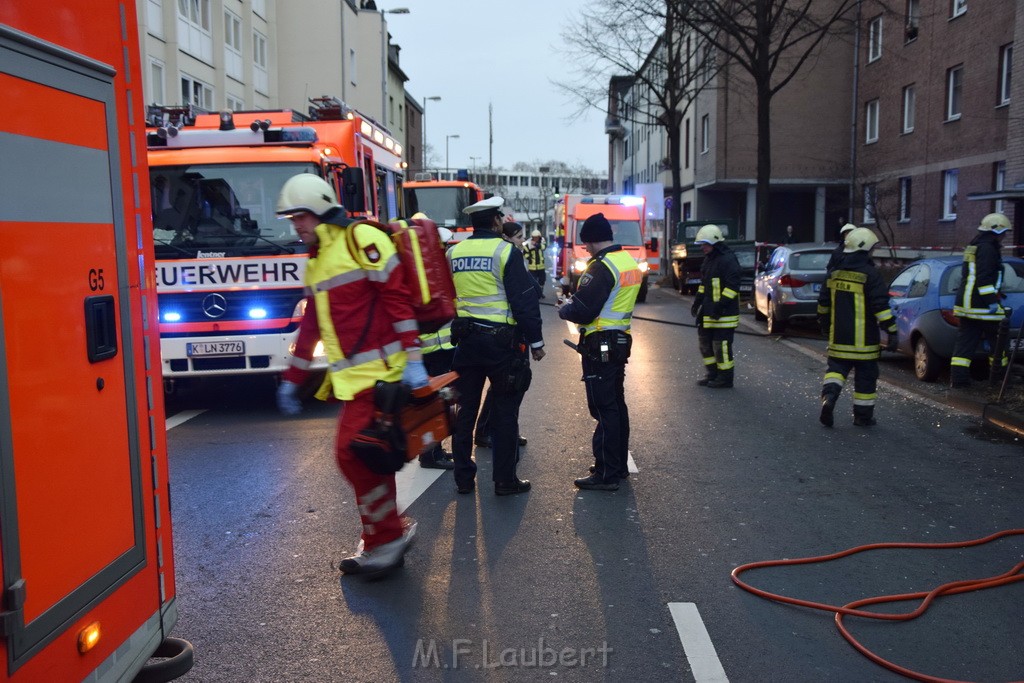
[359,306]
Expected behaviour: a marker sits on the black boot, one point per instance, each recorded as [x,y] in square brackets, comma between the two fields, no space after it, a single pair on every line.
[959,377]
[710,377]
[722,380]
[863,416]
[828,405]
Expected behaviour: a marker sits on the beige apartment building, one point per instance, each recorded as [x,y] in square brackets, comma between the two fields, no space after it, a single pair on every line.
[270,54]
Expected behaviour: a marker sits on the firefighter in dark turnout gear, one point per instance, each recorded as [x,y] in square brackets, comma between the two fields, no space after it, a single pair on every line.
[603,307]
[717,307]
[497,320]
[837,253]
[977,300]
[852,307]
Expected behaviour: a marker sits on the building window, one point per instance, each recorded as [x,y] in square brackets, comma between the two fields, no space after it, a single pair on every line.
[913,20]
[686,146]
[194,29]
[156,82]
[875,39]
[196,93]
[259,62]
[232,45]
[155,17]
[949,187]
[905,186]
[260,7]
[870,195]
[954,92]
[999,184]
[234,102]
[957,8]
[909,103]
[1005,72]
[705,134]
[871,122]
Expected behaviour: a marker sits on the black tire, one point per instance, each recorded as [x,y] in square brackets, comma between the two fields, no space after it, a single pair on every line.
[927,364]
[776,325]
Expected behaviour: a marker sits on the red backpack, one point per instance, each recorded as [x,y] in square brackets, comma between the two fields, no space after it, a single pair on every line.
[426,270]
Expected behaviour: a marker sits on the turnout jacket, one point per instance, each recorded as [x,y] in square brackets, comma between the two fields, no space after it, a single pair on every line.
[982,277]
[854,306]
[719,291]
[534,255]
[358,304]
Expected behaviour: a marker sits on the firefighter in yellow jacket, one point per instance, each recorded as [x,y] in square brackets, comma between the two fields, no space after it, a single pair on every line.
[359,306]
[852,307]
[533,250]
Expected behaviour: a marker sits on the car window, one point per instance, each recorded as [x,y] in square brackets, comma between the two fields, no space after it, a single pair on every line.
[1013,277]
[809,260]
[951,279]
[777,260]
[919,287]
[901,283]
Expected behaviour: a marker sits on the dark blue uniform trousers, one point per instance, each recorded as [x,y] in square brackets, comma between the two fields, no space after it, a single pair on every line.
[606,399]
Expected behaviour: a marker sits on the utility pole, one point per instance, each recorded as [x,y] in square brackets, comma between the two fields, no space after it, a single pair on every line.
[490,135]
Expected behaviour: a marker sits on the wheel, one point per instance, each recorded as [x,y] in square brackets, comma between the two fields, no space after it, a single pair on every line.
[927,363]
[776,325]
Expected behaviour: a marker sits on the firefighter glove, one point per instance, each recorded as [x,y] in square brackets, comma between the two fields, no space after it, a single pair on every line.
[695,309]
[288,398]
[415,375]
[892,342]
[993,308]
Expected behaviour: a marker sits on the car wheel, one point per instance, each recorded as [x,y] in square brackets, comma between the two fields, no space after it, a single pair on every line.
[776,325]
[927,363]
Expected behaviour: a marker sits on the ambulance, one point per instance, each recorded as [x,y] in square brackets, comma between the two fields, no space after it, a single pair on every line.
[443,201]
[229,271]
[628,217]
[86,549]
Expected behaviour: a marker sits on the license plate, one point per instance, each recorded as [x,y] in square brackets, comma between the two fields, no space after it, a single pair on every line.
[227,348]
[746,288]
[815,286]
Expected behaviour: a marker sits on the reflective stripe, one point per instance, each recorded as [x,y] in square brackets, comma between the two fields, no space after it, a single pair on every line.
[864,399]
[366,357]
[617,310]
[730,293]
[479,285]
[384,273]
[374,494]
[339,280]
[406,326]
[435,341]
[301,363]
[378,514]
[834,378]
[709,360]
[958,362]
[725,322]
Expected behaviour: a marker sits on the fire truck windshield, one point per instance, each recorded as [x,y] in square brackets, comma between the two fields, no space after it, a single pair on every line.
[221,207]
[626,233]
[443,205]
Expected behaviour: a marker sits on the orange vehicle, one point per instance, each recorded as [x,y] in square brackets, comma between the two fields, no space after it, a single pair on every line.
[229,270]
[85,527]
[628,217]
[443,201]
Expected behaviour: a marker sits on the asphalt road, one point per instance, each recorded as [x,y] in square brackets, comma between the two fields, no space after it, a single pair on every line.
[559,584]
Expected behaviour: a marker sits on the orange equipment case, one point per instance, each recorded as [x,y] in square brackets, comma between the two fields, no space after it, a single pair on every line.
[85,528]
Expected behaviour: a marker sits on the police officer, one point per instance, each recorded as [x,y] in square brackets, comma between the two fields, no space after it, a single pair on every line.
[603,307]
[497,320]
[534,250]
[717,307]
[977,300]
[837,253]
[852,306]
[360,307]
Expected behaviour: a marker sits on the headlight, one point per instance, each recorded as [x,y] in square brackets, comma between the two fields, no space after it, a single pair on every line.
[300,308]
[579,265]
[643,266]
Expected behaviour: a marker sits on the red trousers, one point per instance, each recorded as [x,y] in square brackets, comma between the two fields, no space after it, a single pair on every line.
[375,493]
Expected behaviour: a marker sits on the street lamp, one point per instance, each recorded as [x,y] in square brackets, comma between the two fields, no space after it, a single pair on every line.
[384,61]
[446,139]
[544,170]
[435,98]
[473,159]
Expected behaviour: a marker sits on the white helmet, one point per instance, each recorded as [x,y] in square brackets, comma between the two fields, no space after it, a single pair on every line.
[445,234]
[536,233]
[847,228]
[709,234]
[306,192]
[859,239]
[995,222]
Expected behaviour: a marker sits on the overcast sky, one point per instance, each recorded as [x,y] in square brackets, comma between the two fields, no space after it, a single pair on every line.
[505,53]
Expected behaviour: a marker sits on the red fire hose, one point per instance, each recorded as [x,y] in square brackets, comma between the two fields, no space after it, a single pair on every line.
[853,609]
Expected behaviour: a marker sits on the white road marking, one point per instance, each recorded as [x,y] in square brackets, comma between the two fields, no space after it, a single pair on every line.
[700,652]
[574,329]
[183,416]
[631,463]
[411,481]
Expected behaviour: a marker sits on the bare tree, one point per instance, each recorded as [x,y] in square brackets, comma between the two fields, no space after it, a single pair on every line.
[771,40]
[639,39]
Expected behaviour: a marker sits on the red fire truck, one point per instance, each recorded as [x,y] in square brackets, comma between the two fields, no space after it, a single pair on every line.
[85,527]
[229,271]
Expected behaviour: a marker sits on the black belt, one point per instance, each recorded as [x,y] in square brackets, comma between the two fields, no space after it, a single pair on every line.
[488,329]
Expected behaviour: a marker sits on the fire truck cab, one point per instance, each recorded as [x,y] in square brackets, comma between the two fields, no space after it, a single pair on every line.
[86,550]
[230,272]
[627,215]
[443,201]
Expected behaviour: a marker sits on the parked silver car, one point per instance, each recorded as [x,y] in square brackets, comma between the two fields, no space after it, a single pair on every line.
[787,287]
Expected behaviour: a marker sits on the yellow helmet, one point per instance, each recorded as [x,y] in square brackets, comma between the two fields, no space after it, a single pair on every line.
[709,234]
[419,215]
[859,239]
[306,192]
[995,222]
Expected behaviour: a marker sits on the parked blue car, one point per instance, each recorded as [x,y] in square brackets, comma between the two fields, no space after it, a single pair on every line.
[922,297]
